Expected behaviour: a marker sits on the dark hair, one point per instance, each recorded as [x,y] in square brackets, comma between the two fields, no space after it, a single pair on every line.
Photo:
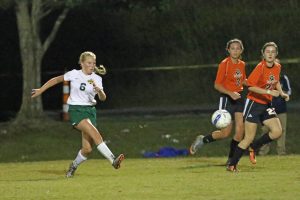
[235,40]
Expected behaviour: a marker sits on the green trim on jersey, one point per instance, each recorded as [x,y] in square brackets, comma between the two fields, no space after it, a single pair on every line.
[78,113]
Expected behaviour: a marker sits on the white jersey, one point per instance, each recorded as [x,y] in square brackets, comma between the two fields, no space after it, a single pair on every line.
[82,90]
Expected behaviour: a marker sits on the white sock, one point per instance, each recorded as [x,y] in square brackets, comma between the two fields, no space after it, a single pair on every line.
[79,159]
[104,150]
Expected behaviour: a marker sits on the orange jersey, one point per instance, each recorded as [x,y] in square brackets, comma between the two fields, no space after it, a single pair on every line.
[263,77]
[231,75]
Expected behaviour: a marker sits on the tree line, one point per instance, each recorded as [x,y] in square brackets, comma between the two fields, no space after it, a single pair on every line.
[130,33]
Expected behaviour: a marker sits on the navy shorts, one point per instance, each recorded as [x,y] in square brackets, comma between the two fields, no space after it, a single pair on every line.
[257,113]
[232,106]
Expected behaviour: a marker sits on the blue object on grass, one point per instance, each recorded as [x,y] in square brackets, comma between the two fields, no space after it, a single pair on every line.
[166,152]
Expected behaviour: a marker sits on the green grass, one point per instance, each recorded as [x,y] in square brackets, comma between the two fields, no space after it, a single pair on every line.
[132,135]
[33,161]
[181,178]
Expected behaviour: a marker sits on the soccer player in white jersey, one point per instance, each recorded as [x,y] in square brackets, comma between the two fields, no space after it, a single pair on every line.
[85,85]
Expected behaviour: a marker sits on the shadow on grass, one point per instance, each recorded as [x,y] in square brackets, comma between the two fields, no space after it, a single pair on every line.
[208,163]
[34,180]
[59,175]
[55,172]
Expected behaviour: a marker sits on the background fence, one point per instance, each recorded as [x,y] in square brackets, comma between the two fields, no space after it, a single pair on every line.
[161,88]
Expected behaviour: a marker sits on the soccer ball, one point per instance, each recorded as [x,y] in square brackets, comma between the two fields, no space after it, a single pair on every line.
[221,118]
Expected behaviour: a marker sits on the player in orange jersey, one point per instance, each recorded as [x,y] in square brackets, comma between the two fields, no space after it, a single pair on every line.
[263,85]
[229,83]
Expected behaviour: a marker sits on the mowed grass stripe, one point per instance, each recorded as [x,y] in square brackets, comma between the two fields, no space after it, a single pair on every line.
[273,177]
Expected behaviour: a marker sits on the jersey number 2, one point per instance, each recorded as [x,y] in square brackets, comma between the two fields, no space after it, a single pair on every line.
[271,111]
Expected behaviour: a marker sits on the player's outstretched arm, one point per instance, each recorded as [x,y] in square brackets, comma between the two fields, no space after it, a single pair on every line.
[100,92]
[259,90]
[54,81]
[281,93]
[221,89]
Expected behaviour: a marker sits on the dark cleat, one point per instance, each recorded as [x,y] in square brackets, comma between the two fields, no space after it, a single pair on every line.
[117,161]
[71,171]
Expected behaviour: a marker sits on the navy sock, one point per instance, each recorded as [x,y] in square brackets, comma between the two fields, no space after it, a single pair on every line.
[264,139]
[238,153]
[233,146]
[208,139]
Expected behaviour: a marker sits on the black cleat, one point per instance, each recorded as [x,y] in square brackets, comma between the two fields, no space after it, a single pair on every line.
[71,171]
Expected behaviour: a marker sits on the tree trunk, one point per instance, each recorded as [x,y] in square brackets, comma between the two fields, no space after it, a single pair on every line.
[31,61]
[29,15]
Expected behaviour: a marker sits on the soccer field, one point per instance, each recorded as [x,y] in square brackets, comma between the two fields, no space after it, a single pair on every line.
[273,177]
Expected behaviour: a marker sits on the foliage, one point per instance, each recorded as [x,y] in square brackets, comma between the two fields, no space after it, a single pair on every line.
[192,32]
[5,4]
[135,34]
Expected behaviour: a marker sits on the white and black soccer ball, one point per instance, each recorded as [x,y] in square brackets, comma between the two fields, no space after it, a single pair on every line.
[221,119]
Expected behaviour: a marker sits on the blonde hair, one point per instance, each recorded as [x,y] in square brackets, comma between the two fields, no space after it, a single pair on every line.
[99,70]
[273,44]
[85,54]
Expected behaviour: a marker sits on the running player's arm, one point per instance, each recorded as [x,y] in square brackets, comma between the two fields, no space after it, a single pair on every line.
[221,89]
[259,90]
[281,93]
[54,81]
[219,82]
[98,87]
[252,83]
[101,93]
[286,86]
